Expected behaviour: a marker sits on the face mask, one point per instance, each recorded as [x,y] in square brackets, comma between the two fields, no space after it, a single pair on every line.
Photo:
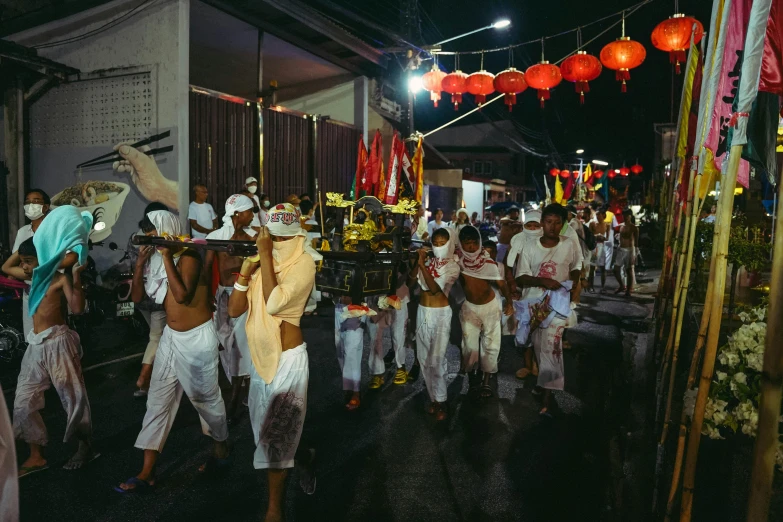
[440,251]
[533,233]
[252,189]
[267,204]
[283,251]
[33,211]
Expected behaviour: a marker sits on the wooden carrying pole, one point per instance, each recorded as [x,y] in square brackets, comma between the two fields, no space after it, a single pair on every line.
[771,379]
[726,203]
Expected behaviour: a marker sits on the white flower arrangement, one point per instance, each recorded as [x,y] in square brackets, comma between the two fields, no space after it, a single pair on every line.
[734,394]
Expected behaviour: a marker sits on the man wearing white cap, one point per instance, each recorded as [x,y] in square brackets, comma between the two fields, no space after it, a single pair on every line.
[231,332]
[273,289]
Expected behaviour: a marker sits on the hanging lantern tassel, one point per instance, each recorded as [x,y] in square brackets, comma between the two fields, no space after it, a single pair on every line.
[510,99]
[456,99]
[435,97]
[623,75]
[582,87]
[677,57]
[543,95]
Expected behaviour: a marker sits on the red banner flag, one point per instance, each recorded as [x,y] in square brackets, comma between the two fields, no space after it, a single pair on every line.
[418,172]
[362,182]
[375,164]
[390,195]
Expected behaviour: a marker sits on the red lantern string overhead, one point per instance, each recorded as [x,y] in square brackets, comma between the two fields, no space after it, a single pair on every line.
[565,173]
[598,174]
[612,174]
[622,55]
[480,84]
[554,172]
[581,68]
[455,84]
[510,83]
[543,76]
[674,36]
[432,82]
[637,169]
[624,171]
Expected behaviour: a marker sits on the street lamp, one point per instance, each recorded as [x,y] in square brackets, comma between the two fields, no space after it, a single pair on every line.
[580,151]
[414,83]
[600,162]
[500,24]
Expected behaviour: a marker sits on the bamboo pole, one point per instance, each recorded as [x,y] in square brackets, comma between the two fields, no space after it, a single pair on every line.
[666,265]
[685,281]
[771,378]
[667,207]
[694,369]
[713,332]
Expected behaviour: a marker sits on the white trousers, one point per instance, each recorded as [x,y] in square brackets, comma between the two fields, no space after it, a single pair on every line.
[27,321]
[156,321]
[433,326]
[548,346]
[9,482]
[395,320]
[277,410]
[235,355]
[53,357]
[349,341]
[186,362]
[477,320]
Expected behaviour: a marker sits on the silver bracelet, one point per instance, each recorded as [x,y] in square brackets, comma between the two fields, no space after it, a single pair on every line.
[241,288]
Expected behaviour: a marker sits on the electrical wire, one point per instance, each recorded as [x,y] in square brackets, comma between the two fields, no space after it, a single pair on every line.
[628,11]
[105,27]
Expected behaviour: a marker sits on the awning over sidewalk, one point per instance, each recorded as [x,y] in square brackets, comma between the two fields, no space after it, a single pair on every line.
[443,178]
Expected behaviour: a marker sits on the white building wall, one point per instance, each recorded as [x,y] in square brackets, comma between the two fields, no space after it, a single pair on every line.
[337,103]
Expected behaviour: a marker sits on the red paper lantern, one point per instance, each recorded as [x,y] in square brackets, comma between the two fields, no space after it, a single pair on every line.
[554,172]
[624,171]
[510,83]
[432,83]
[621,56]
[612,174]
[543,76]
[637,169]
[674,36]
[455,84]
[565,173]
[581,68]
[480,84]
[598,174]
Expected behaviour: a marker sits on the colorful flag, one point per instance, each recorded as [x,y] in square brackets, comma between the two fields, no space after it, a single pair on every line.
[548,194]
[718,140]
[393,178]
[570,186]
[375,164]
[406,176]
[558,191]
[361,182]
[690,93]
[750,76]
[587,174]
[418,172]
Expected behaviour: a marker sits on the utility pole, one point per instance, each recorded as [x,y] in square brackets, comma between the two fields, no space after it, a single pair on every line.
[411,27]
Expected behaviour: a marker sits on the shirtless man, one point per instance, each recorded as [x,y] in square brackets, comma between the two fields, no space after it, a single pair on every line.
[187,357]
[481,312]
[626,256]
[273,289]
[53,357]
[231,332]
[600,229]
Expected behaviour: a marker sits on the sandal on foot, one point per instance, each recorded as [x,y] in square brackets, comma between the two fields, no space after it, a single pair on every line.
[215,465]
[401,377]
[537,390]
[139,486]
[376,382]
[546,413]
[620,290]
[485,392]
[431,408]
[29,470]
[522,373]
[441,414]
[353,404]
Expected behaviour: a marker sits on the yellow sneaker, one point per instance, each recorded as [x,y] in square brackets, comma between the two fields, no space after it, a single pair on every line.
[401,377]
[376,382]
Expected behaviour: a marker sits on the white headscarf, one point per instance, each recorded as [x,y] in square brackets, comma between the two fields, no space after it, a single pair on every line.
[234,204]
[518,241]
[459,226]
[284,222]
[156,282]
[478,264]
[533,216]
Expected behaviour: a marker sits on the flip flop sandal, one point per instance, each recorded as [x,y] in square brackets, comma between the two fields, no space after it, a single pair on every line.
[485,392]
[545,413]
[140,487]
[353,404]
[29,470]
[401,377]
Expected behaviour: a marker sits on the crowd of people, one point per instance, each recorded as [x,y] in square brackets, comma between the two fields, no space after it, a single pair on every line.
[211,309]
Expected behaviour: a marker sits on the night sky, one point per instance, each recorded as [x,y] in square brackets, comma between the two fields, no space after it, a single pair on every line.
[612,126]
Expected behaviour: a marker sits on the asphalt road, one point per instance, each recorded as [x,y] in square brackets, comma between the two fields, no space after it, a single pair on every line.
[389,461]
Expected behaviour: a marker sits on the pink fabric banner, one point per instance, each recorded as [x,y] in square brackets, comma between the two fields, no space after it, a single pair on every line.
[718,137]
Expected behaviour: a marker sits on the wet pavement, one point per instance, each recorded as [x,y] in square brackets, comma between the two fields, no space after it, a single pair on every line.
[496,460]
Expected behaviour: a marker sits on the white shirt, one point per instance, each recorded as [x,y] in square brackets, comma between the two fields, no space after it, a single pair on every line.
[24,233]
[432,226]
[204,215]
[263,216]
[552,263]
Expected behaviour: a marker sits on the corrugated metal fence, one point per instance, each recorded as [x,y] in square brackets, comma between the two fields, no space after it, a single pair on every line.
[225,133]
